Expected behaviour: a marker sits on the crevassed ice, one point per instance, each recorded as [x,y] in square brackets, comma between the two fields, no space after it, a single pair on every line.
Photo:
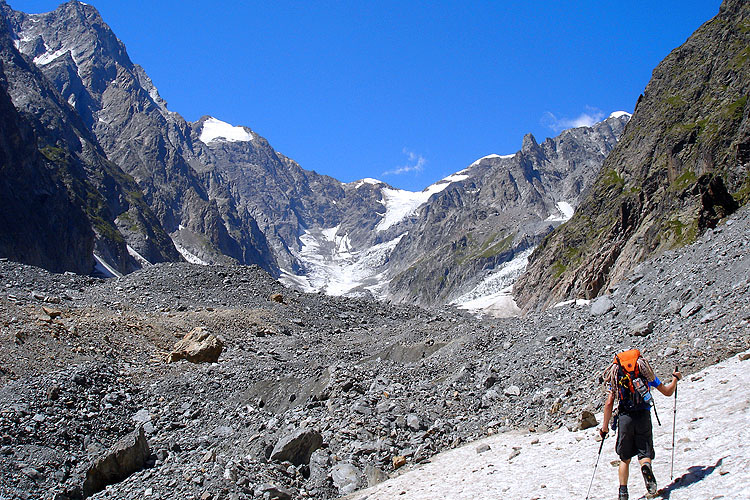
[494,294]
[217,130]
[193,259]
[400,204]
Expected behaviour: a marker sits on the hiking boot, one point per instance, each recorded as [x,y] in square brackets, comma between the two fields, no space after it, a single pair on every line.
[648,477]
[623,495]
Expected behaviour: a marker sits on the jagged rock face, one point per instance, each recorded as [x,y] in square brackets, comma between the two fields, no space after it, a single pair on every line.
[505,206]
[680,167]
[80,172]
[40,225]
[90,67]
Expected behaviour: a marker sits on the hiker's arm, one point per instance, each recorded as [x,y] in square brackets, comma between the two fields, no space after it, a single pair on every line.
[669,388]
[607,413]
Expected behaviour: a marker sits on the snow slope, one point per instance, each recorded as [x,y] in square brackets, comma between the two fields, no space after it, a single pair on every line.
[217,130]
[400,204]
[712,455]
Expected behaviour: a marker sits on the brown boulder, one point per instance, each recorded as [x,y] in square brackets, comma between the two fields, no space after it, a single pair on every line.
[198,346]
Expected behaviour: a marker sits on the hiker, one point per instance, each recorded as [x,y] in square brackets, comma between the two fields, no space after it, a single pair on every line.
[628,379]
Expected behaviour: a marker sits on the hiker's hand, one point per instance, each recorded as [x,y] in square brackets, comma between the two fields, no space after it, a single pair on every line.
[677,375]
[603,432]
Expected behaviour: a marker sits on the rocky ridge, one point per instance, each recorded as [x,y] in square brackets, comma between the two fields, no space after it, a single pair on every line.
[363,388]
[681,166]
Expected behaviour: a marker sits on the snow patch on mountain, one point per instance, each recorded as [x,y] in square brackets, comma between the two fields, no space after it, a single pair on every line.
[332,266]
[105,269]
[711,460]
[138,257]
[491,156]
[494,294]
[367,180]
[217,130]
[564,212]
[49,56]
[619,114]
[400,204]
[188,256]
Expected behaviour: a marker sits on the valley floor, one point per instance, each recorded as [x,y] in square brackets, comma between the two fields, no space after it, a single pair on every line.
[712,455]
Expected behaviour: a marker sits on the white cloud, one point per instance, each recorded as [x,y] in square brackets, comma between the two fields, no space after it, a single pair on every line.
[586,119]
[416,163]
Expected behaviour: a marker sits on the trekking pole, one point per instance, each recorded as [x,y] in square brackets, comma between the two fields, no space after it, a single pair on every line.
[674,426]
[595,466]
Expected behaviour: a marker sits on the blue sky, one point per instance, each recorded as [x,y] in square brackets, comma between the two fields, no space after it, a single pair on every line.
[407,92]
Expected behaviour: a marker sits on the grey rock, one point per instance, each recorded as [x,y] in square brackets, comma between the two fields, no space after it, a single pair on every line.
[413,422]
[587,420]
[642,328]
[483,448]
[602,306]
[512,390]
[127,456]
[298,446]
[347,478]
[690,309]
[375,475]
[274,491]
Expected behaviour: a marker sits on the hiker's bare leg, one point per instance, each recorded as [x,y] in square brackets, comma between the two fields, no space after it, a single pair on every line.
[624,471]
[644,461]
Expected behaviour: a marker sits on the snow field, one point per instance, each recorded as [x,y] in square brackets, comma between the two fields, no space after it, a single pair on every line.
[217,130]
[712,454]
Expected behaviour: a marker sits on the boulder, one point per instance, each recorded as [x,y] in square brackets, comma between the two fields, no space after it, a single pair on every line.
[320,463]
[602,306]
[587,420]
[512,390]
[347,478]
[127,456]
[642,328]
[297,447]
[374,475]
[198,346]
[276,297]
[274,492]
[399,461]
[690,308]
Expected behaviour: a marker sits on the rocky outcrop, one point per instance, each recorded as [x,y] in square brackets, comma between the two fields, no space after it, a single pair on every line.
[680,167]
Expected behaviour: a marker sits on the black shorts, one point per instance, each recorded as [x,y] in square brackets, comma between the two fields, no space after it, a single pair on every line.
[634,436]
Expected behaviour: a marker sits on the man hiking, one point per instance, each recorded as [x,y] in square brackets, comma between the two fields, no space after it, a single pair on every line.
[628,379]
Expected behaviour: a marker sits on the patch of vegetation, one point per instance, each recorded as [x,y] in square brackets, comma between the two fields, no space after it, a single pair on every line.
[686,179]
[498,248]
[54,154]
[676,101]
[612,178]
[558,269]
[131,223]
[740,60]
[735,110]
[681,233]
[743,193]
